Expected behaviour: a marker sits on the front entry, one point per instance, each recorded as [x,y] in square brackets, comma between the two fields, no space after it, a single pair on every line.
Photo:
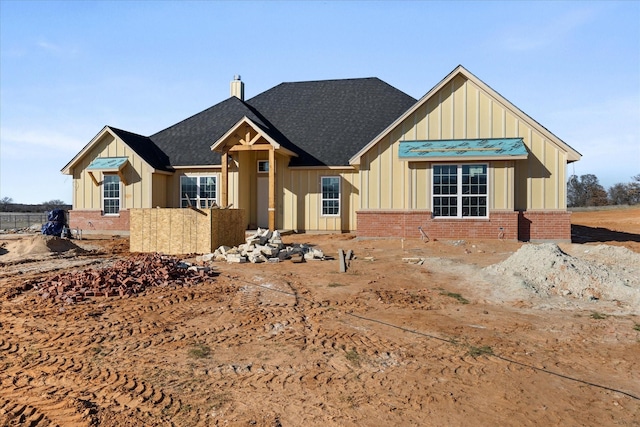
[262,204]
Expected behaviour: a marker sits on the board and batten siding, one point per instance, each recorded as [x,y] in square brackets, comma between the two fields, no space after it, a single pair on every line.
[301,206]
[138,192]
[462,110]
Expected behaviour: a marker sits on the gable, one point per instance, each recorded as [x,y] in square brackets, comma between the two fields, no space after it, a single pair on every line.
[142,146]
[461,106]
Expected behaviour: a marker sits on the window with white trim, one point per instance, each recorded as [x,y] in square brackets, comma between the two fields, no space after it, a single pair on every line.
[330,195]
[201,191]
[111,194]
[460,191]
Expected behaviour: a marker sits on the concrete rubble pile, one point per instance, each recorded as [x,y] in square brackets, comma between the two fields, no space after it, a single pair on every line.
[263,246]
[126,277]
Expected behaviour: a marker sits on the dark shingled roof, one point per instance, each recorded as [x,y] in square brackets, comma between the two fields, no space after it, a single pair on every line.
[145,148]
[331,120]
[188,143]
[324,122]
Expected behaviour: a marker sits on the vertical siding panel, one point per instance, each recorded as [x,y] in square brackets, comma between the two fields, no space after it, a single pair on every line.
[433,122]
[510,126]
[459,108]
[471,127]
[496,120]
[421,123]
[551,183]
[485,116]
[478,113]
[562,176]
[465,87]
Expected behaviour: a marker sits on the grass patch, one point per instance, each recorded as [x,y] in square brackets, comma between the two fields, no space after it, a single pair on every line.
[199,351]
[335,285]
[479,351]
[597,316]
[636,327]
[456,296]
[218,400]
[353,357]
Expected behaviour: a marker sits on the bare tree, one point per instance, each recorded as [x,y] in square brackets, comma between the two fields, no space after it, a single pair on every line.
[4,204]
[585,191]
[54,204]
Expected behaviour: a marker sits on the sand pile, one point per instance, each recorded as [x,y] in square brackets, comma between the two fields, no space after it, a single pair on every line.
[601,272]
[36,245]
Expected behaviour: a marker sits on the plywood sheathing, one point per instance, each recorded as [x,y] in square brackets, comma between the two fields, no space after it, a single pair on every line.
[185,231]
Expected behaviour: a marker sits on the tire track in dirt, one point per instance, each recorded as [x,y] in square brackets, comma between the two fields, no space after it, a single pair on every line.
[28,379]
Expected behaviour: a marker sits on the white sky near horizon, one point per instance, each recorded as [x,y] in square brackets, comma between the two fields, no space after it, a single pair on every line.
[67,69]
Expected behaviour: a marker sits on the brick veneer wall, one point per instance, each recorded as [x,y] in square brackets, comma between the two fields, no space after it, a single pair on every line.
[544,225]
[397,223]
[90,221]
[510,225]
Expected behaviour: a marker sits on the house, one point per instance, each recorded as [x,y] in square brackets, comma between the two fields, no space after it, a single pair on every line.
[351,155]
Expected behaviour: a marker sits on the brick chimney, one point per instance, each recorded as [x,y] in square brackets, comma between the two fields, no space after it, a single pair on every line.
[237,87]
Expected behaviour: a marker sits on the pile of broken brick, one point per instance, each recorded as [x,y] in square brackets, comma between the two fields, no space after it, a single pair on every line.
[126,277]
[264,246]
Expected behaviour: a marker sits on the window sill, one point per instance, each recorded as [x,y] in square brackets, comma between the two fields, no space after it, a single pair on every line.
[456,218]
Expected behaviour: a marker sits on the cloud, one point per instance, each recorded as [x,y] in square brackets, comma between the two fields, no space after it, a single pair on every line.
[538,34]
[57,50]
[20,140]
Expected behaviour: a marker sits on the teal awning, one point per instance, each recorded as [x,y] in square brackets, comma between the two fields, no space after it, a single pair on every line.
[463,149]
[108,163]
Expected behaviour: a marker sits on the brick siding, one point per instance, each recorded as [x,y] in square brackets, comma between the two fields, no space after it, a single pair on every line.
[509,225]
[90,221]
[544,225]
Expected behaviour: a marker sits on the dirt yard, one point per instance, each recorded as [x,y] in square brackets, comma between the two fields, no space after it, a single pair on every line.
[438,333]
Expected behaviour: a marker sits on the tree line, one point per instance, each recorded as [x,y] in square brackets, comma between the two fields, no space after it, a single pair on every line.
[585,190]
[7,205]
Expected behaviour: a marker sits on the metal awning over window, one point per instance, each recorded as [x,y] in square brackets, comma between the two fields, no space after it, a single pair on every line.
[463,149]
[108,164]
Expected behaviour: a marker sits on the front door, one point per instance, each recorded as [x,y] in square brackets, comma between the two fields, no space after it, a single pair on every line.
[263,202]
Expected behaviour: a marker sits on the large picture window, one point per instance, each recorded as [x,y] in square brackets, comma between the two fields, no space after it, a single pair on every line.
[201,191]
[111,194]
[331,195]
[460,191]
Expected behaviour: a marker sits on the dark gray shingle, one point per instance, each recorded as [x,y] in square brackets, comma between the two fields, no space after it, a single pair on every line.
[325,122]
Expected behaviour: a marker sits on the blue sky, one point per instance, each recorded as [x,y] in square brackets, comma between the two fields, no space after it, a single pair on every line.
[67,69]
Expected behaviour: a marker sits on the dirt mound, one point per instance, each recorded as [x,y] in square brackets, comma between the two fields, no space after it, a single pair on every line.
[37,245]
[599,273]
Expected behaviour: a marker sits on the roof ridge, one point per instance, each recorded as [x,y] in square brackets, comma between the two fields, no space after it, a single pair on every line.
[231,98]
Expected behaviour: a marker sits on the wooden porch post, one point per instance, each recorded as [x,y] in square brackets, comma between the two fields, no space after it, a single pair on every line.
[272,189]
[224,198]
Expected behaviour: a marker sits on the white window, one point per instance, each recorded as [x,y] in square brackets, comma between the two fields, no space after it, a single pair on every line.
[201,191]
[460,191]
[330,195]
[111,194]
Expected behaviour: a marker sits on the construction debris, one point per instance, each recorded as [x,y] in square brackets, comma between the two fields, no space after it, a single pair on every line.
[126,277]
[264,246]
